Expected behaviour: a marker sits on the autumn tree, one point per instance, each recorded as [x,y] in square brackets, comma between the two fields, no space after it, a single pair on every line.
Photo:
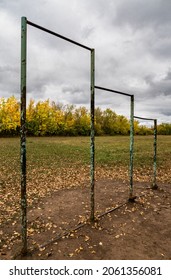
[46,118]
[99,121]
[109,122]
[69,120]
[9,116]
[164,129]
[82,121]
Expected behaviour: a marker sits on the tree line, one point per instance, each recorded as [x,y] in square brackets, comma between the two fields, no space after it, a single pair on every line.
[46,118]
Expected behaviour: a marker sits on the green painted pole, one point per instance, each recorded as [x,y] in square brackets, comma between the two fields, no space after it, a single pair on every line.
[131,197]
[92,135]
[155,156]
[23,136]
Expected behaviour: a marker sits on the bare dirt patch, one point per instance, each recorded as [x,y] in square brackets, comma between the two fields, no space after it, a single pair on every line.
[140,230]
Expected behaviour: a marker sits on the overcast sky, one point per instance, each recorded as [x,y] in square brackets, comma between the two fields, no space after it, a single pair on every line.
[132,41]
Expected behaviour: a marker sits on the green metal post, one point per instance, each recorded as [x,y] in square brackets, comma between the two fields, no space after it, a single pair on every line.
[23,136]
[131,197]
[155,155]
[92,135]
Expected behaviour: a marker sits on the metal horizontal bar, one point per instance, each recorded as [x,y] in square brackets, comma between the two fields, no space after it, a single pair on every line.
[147,119]
[115,91]
[58,35]
[68,232]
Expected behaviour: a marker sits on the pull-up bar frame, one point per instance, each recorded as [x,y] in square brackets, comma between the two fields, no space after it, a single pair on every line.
[154,184]
[24,23]
[131,195]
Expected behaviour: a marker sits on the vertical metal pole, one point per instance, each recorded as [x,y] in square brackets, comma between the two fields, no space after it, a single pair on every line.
[155,155]
[131,197]
[23,136]
[92,135]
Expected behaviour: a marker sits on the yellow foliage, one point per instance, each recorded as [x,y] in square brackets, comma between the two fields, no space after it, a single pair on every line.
[9,113]
[49,118]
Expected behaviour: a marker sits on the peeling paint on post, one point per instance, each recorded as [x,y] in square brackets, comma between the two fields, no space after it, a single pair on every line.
[23,136]
[92,136]
[155,155]
[131,149]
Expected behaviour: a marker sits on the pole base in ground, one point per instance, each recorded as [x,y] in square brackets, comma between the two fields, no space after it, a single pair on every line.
[132,198]
[24,252]
[21,255]
[154,187]
[93,219]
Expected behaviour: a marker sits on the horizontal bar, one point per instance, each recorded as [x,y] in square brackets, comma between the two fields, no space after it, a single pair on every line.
[147,119]
[115,91]
[68,232]
[58,35]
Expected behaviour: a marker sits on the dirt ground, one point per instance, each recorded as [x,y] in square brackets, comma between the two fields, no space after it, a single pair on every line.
[59,227]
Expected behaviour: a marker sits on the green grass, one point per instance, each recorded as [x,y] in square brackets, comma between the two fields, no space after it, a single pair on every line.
[64,162]
[69,151]
[55,163]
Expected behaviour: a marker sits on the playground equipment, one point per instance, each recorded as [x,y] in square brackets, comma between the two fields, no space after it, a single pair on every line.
[24,23]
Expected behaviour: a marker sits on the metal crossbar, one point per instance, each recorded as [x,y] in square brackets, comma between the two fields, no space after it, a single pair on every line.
[147,119]
[58,35]
[115,91]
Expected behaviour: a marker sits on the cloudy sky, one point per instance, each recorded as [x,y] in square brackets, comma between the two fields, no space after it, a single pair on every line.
[132,41]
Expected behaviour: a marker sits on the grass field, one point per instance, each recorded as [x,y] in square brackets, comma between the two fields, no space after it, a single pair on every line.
[61,151]
[69,152]
[64,162]
[57,163]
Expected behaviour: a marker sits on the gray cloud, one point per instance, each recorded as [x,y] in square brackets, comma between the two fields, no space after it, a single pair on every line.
[76,95]
[143,14]
[168,76]
[132,42]
[160,85]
